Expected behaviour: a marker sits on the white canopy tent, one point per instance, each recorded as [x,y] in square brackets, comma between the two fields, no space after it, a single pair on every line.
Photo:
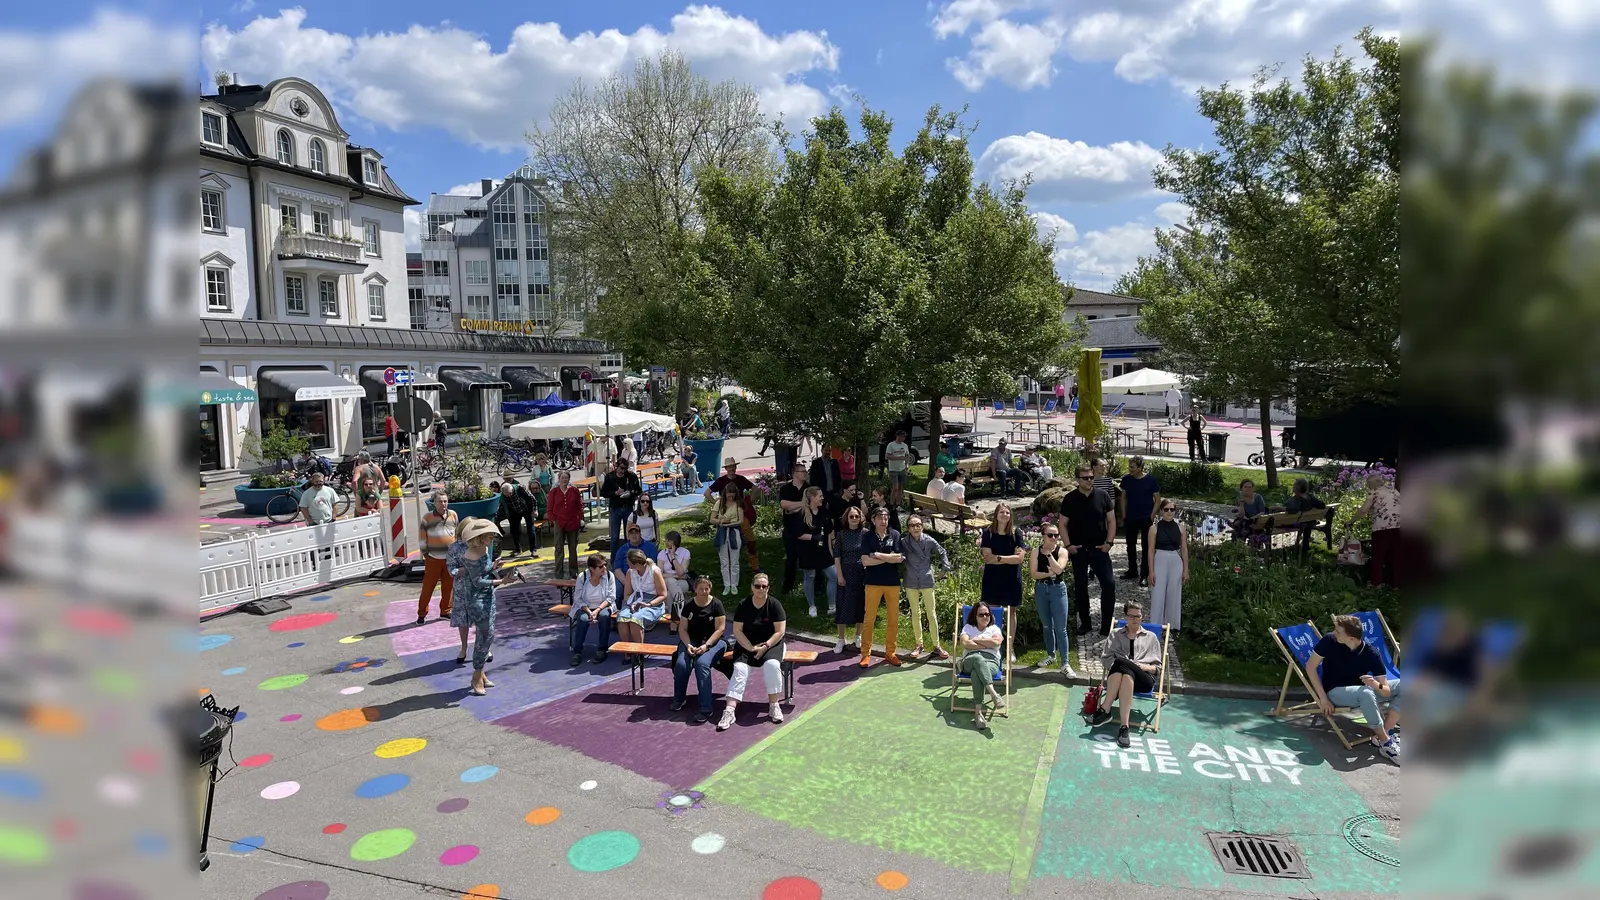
[596,418]
[1142,381]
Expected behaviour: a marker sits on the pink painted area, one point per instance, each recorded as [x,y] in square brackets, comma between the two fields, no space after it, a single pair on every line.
[303,621]
[458,855]
[248,523]
[413,638]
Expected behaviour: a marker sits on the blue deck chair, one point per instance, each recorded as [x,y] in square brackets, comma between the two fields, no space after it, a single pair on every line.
[1499,639]
[1050,407]
[958,677]
[1296,642]
[1020,406]
[1146,721]
[1375,629]
[1117,413]
[1074,407]
[999,406]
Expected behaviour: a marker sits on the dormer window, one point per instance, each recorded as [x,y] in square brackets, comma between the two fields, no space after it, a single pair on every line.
[369,170]
[285,147]
[211,128]
[319,157]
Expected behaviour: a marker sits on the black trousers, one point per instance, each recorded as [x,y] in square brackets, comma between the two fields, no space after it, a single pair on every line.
[1086,559]
[1143,682]
[514,525]
[391,445]
[1197,447]
[1138,534]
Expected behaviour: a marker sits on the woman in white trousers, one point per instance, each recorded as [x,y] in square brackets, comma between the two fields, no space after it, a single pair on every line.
[1168,566]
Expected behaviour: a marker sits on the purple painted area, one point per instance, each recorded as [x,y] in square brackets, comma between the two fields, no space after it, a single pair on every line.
[521,610]
[642,734]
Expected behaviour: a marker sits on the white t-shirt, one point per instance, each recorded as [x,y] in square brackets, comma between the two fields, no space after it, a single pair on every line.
[647,526]
[602,455]
[955,492]
[631,454]
[1174,399]
[674,565]
[936,487]
[320,502]
[586,594]
[896,465]
[993,631]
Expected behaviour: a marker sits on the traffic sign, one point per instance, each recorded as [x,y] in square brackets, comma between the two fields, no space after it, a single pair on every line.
[389,376]
[586,375]
[414,416]
[392,394]
[405,376]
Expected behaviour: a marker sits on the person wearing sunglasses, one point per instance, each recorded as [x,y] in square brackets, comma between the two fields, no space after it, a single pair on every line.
[594,599]
[1048,564]
[850,604]
[1168,565]
[1132,660]
[980,642]
[881,556]
[1091,528]
[758,628]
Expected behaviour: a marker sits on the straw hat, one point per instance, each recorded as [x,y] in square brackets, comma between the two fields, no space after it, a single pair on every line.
[730,461]
[478,528]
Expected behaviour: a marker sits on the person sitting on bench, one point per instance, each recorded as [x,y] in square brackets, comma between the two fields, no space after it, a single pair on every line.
[1002,467]
[1346,671]
[700,646]
[1132,661]
[758,629]
[1303,501]
[593,596]
[644,591]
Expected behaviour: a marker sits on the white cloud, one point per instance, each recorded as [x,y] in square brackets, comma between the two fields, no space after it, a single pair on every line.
[1018,55]
[414,223]
[1095,259]
[1172,213]
[1050,224]
[1067,170]
[41,70]
[456,80]
[1543,44]
[474,188]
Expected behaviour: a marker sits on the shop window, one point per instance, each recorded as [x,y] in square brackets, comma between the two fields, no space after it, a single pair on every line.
[306,418]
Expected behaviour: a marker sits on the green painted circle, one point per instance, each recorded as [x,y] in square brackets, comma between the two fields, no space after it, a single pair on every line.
[603,851]
[116,683]
[385,844]
[23,846]
[282,682]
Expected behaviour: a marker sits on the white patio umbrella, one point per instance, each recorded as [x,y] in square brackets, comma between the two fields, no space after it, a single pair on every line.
[1142,381]
[599,418]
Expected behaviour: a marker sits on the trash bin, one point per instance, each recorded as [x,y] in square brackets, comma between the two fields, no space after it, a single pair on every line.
[209,724]
[1217,450]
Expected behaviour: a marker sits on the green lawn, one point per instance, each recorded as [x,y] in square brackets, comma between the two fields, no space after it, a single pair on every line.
[1200,664]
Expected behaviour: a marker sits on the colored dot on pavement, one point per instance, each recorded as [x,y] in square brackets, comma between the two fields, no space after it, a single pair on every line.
[213,641]
[291,717]
[248,845]
[303,621]
[16,785]
[385,844]
[588,785]
[12,750]
[321,597]
[152,844]
[603,851]
[23,846]
[298,890]
[370,594]
[479,773]
[544,815]
[335,828]
[383,785]
[142,760]
[280,790]
[296,645]
[400,747]
[892,881]
[251,762]
[453,805]
[236,670]
[458,855]
[282,682]
[352,689]
[352,639]
[349,719]
[55,720]
[792,888]
[482,892]
[708,843]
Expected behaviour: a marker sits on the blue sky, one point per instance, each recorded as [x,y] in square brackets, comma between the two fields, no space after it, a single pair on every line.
[1081,93]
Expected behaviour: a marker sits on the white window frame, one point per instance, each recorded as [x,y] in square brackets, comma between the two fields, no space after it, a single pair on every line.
[369,171]
[476,271]
[221,225]
[227,289]
[328,304]
[295,285]
[317,155]
[285,144]
[289,217]
[479,306]
[322,221]
[372,237]
[377,304]
[207,118]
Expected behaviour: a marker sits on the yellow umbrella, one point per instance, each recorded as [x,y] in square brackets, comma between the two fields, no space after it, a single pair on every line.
[1088,424]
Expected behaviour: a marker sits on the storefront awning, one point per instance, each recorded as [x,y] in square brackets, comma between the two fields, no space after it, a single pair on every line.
[216,390]
[525,378]
[312,384]
[471,379]
[373,379]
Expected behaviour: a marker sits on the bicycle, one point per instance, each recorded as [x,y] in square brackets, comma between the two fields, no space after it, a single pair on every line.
[1285,457]
[285,508]
[564,458]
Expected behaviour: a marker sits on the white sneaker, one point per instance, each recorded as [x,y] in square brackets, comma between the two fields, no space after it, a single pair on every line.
[838,646]
[726,721]
[811,611]
[1049,662]
[1013,659]
[775,713]
[1068,670]
[1391,749]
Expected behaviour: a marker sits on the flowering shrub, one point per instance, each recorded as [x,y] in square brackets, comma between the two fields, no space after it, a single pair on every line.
[1349,490]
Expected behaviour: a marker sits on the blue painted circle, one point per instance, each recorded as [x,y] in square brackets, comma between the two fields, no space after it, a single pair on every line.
[248,845]
[213,641]
[296,645]
[479,773]
[383,785]
[151,844]
[236,670]
[321,597]
[15,785]
[240,717]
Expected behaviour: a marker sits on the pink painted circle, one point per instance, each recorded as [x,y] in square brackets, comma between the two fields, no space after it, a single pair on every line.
[459,855]
[291,717]
[303,621]
[251,762]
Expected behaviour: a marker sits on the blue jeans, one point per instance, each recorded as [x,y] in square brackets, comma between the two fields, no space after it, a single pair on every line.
[681,665]
[1368,700]
[580,630]
[1052,603]
[830,577]
[1011,480]
[618,516]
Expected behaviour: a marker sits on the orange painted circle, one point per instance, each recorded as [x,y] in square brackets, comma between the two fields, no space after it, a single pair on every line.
[55,720]
[892,881]
[349,719]
[544,815]
[205,691]
[482,891]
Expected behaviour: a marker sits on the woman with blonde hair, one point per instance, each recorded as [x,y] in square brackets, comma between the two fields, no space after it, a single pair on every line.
[727,516]
[816,563]
[1003,553]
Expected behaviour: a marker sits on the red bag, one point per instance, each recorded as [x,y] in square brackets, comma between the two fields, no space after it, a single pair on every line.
[1091,700]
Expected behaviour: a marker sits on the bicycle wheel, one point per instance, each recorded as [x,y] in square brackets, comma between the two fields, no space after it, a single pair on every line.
[341,506]
[282,509]
[1255,459]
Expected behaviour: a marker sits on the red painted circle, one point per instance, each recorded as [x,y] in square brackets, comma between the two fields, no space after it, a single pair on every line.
[793,888]
[303,621]
[143,761]
[335,828]
[251,762]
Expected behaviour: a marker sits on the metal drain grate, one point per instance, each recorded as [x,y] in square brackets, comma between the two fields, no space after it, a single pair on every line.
[1371,835]
[1250,854]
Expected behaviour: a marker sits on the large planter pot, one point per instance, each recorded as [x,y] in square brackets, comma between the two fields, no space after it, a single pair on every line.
[476,509]
[707,457]
[254,500]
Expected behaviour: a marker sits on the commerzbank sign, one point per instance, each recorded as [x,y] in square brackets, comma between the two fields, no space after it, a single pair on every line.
[490,325]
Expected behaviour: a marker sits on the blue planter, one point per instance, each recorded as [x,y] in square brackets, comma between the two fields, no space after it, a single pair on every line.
[254,500]
[476,509]
[707,458]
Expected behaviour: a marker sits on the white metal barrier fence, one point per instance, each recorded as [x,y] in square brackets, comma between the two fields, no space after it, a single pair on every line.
[119,560]
[253,567]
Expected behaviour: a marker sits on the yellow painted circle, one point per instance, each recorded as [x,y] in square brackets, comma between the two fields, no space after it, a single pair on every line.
[400,747]
[352,639]
[12,751]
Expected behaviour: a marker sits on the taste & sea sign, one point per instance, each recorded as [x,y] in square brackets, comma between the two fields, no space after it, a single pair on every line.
[1267,765]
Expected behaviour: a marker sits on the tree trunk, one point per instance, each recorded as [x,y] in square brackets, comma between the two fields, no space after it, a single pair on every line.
[863,471]
[1266,442]
[935,425]
[684,385]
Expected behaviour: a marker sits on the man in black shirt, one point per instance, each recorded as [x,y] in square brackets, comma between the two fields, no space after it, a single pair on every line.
[621,487]
[1303,501]
[1091,529]
[825,474]
[790,498]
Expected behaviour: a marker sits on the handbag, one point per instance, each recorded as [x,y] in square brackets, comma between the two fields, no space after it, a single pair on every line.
[1091,700]
[1351,553]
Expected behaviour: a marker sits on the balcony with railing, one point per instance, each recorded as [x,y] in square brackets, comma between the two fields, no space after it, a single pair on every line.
[319,252]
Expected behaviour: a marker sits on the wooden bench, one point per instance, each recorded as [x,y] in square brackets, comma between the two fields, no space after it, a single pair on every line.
[637,654]
[565,586]
[958,514]
[977,469]
[1268,524]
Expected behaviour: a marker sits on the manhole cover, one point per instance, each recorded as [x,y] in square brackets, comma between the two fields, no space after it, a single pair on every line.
[1371,835]
[1250,854]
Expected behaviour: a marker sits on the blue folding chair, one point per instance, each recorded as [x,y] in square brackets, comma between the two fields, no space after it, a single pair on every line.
[999,406]
[1074,406]
[1375,630]
[1159,695]
[1117,413]
[1498,639]
[1003,676]
[1050,407]
[1296,643]
[1021,406]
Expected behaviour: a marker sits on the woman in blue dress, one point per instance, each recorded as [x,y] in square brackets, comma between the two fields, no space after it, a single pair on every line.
[473,571]
[851,604]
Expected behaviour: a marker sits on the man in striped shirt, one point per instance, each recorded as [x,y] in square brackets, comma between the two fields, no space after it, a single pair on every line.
[438,533]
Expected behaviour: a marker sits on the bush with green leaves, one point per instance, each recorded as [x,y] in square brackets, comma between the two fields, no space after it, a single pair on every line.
[464,466]
[273,451]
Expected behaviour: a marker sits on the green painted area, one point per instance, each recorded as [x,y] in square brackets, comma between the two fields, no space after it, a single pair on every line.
[885,764]
[1107,819]
[282,682]
[23,846]
[385,844]
[603,851]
